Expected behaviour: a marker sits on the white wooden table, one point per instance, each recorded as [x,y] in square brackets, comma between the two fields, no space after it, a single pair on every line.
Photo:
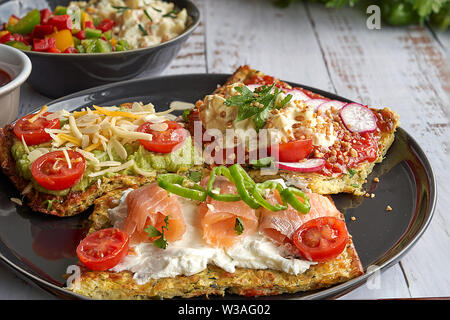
[405,68]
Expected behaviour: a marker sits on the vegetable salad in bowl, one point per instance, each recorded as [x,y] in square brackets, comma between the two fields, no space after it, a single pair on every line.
[97,26]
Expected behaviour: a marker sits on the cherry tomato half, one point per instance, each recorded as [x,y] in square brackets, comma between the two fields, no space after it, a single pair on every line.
[163,141]
[294,151]
[103,249]
[321,239]
[52,171]
[33,132]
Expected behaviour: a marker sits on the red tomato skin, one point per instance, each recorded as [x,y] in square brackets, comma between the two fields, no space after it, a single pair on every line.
[165,146]
[294,151]
[58,181]
[98,239]
[325,250]
[34,133]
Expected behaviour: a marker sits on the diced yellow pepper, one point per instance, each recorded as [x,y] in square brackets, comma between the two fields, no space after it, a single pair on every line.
[2,33]
[85,17]
[12,21]
[63,39]
[113,41]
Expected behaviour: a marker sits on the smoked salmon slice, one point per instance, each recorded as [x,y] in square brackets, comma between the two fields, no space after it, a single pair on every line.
[218,218]
[149,205]
[280,225]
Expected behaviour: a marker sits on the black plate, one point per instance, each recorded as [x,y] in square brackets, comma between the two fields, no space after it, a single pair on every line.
[41,247]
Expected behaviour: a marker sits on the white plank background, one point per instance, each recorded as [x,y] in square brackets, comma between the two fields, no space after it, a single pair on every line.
[404,68]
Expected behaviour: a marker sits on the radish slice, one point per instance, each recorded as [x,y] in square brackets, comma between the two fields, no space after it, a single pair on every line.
[315,103]
[358,118]
[297,95]
[333,103]
[309,165]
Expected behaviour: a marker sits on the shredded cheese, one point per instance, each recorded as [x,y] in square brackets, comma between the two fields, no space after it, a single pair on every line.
[113,169]
[37,115]
[66,155]
[25,145]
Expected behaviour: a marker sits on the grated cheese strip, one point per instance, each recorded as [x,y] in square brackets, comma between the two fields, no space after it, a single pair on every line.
[25,145]
[74,128]
[108,164]
[144,173]
[88,155]
[66,155]
[113,169]
[37,115]
[92,146]
[16,201]
[117,113]
[69,138]
[119,148]
[135,135]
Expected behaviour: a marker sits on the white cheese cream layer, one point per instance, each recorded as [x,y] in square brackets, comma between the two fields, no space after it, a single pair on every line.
[191,254]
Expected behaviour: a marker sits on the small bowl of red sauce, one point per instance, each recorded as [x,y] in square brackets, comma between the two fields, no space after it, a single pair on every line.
[15,67]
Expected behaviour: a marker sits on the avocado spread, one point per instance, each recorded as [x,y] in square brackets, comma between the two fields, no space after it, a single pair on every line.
[183,157]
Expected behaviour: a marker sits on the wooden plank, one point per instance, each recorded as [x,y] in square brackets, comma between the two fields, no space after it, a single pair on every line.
[406,69]
[277,41]
[389,284]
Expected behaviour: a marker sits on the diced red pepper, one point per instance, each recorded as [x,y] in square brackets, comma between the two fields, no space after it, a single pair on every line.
[18,37]
[103,38]
[106,25]
[71,50]
[40,31]
[7,37]
[80,35]
[45,15]
[89,24]
[61,22]
[15,17]
[43,45]
[28,39]
[54,50]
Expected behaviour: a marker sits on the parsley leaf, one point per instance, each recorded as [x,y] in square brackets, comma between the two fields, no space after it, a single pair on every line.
[258,104]
[152,232]
[239,226]
[120,9]
[195,176]
[351,172]
[49,204]
[263,162]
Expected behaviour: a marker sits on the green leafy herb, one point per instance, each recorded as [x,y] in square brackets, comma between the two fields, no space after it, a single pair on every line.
[284,101]
[351,172]
[121,9]
[147,15]
[171,14]
[156,9]
[186,114]
[144,32]
[354,185]
[239,226]
[152,232]
[49,204]
[256,104]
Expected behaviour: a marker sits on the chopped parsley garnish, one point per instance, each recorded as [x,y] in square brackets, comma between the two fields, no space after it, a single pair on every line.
[256,104]
[156,9]
[171,14]
[147,15]
[152,232]
[239,226]
[121,9]
[144,32]
[354,185]
[49,204]
[351,172]
[186,114]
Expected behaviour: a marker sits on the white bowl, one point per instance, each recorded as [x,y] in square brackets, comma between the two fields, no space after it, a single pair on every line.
[18,66]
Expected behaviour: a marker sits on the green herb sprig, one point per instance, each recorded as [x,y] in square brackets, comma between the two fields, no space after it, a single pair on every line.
[152,232]
[256,104]
[171,14]
[121,9]
[144,32]
[239,226]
